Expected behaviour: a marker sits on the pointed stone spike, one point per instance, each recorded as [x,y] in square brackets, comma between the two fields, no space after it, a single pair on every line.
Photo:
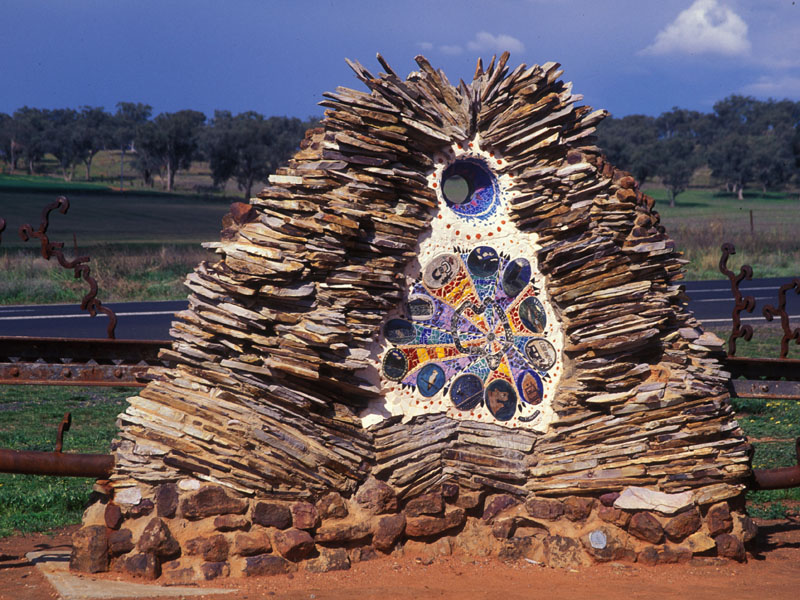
[490,68]
[385,65]
[478,69]
[359,70]
[503,60]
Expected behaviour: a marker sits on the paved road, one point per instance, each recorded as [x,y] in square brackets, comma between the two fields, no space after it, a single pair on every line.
[135,320]
[711,301]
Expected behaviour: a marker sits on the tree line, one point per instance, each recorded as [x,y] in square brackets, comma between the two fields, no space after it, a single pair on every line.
[246,147]
[744,142]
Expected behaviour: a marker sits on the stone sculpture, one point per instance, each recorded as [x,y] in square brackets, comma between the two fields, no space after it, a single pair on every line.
[448,317]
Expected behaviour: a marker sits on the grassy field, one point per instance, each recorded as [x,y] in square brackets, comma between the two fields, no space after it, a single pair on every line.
[105,173]
[105,217]
[29,418]
[703,220]
[141,244]
[137,272]
[772,426]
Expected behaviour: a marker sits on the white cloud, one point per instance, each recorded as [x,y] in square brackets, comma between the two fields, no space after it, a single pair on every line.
[706,27]
[787,86]
[485,41]
[452,50]
[482,42]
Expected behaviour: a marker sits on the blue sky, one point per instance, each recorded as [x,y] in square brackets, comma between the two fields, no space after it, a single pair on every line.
[277,58]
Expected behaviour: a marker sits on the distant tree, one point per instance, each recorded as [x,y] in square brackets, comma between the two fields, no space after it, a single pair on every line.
[61,138]
[220,147]
[248,147]
[772,159]
[171,142]
[678,150]
[677,161]
[736,114]
[730,161]
[30,125]
[149,153]
[7,148]
[775,124]
[752,142]
[629,143]
[796,148]
[93,132]
[125,125]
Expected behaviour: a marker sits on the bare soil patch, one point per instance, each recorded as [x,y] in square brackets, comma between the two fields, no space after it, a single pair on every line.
[772,571]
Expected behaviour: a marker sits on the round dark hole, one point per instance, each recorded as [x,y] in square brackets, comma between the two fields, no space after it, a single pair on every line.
[469,187]
[456,189]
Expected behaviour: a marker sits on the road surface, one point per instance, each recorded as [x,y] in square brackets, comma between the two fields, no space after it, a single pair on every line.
[135,320]
[711,301]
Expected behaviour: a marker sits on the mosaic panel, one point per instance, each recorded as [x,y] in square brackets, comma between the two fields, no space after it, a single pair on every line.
[475,336]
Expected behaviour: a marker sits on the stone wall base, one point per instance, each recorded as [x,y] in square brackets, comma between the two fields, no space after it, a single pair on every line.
[189,530]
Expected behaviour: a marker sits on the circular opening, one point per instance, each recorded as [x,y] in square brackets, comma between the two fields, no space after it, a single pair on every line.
[456,189]
[469,187]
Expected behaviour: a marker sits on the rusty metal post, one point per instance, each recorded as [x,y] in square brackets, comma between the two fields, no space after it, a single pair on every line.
[49,249]
[780,478]
[31,462]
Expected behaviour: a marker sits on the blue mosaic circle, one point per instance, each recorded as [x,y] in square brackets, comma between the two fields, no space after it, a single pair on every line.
[430,380]
[474,332]
[501,399]
[467,391]
[476,191]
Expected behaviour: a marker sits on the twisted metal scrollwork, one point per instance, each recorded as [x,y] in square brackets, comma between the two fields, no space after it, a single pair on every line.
[746,303]
[90,302]
[770,311]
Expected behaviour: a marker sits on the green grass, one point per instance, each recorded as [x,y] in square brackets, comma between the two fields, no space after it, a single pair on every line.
[771,425]
[769,454]
[124,272]
[703,220]
[29,418]
[142,244]
[46,183]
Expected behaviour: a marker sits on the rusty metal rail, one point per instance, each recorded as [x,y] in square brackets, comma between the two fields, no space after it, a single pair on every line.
[780,478]
[769,378]
[30,462]
[65,361]
[61,464]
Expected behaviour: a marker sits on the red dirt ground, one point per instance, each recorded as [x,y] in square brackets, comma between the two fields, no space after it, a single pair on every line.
[771,573]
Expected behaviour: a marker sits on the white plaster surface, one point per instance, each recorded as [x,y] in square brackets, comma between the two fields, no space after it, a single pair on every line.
[454,233]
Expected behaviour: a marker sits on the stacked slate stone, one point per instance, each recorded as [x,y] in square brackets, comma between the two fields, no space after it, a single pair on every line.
[249,455]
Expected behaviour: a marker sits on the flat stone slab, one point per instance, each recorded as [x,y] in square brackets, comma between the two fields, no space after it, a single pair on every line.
[639,498]
[54,565]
